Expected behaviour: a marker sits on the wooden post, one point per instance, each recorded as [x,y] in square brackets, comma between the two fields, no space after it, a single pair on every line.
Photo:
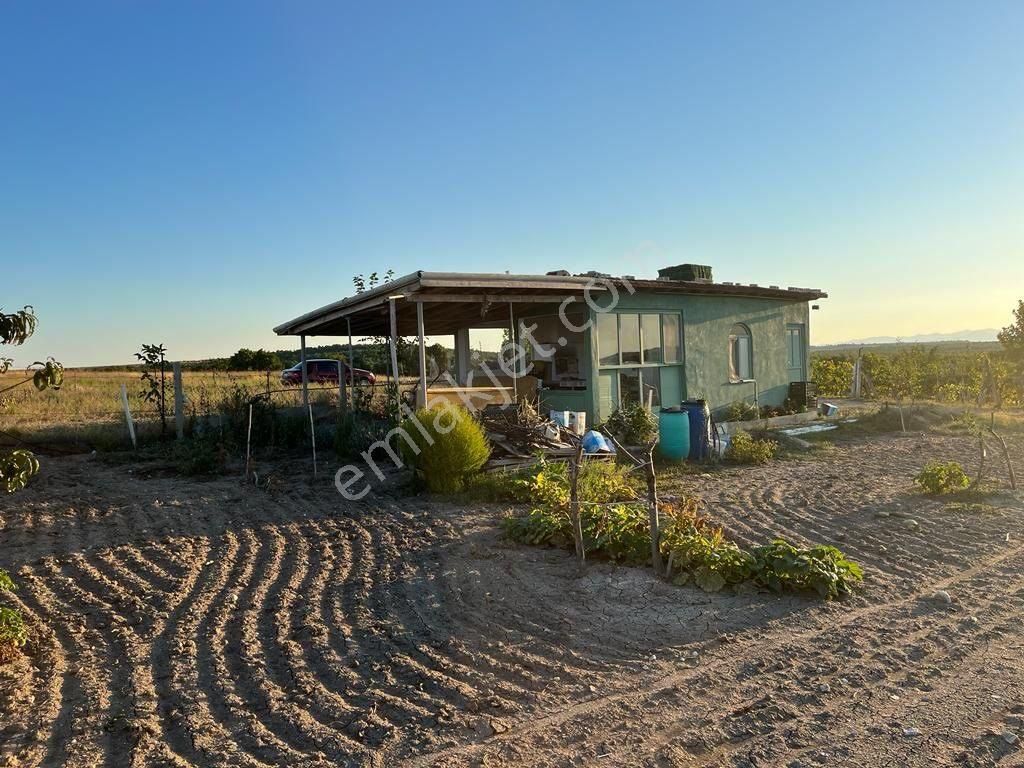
[515,353]
[421,392]
[1006,453]
[248,445]
[305,374]
[342,400]
[574,505]
[128,415]
[268,385]
[179,402]
[652,502]
[312,436]
[394,351]
[351,352]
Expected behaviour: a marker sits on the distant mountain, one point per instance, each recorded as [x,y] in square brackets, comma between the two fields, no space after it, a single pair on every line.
[986,334]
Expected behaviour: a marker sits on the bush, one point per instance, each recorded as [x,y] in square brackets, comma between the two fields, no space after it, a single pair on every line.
[744,449]
[824,569]
[633,425]
[357,431]
[13,634]
[833,375]
[938,477]
[705,555]
[450,446]
[617,531]
[740,411]
[201,455]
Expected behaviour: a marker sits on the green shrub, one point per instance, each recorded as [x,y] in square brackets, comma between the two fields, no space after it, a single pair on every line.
[938,477]
[619,532]
[633,425]
[450,446]
[200,455]
[357,431]
[744,449]
[833,375]
[740,411]
[13,633]
[824,569]
[701,552]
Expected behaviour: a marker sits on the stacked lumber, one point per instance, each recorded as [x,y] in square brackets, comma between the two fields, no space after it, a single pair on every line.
[519,434]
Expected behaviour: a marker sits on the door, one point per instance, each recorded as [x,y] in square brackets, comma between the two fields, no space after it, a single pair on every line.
[796,353]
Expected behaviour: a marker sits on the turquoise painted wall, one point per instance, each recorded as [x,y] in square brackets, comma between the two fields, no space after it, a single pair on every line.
[707,321]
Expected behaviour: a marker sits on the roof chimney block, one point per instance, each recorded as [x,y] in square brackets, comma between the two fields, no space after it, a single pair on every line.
[694,273]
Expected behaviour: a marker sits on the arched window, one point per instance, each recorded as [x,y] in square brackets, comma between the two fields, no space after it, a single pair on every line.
[741,353]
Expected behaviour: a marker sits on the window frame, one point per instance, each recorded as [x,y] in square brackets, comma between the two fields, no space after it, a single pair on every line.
[735,362]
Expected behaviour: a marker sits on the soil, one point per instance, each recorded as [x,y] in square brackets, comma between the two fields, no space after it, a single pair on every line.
[183,622]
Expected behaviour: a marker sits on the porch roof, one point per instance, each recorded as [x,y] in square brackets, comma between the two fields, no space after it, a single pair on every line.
[455,300]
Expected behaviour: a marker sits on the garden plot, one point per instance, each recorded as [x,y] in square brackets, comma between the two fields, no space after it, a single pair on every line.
[208,623]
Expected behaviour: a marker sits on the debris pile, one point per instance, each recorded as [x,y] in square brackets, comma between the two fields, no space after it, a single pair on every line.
[518,434]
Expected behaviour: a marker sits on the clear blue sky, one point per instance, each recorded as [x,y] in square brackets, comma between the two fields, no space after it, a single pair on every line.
[195,173]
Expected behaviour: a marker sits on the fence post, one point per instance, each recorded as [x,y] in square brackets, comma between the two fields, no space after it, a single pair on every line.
[574,506]
[179,402]
[652,501]
[312,436]
[342,400]
[128,415]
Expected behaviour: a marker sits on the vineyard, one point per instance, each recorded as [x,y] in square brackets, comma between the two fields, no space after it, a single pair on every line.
[917,373]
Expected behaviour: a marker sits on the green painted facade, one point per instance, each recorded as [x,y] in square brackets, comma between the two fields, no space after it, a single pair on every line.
[779,353]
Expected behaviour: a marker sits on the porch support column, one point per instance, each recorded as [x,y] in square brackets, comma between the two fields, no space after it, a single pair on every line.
[351,354]
[515,353]
[462,357]
[421,396]
[305,375]
[394,350]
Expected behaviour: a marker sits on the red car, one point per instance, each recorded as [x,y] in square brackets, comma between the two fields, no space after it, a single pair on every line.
[325,372]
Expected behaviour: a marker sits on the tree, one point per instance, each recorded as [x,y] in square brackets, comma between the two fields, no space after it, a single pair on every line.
[1012,336]
[248,360]
[19,465]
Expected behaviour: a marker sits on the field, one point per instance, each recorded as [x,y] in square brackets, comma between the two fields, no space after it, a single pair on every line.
[86,411]
[212,623]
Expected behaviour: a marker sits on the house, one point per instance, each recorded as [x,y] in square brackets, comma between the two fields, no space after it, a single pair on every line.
[592,342]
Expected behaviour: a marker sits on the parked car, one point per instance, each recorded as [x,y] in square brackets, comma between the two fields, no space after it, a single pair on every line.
[325,372]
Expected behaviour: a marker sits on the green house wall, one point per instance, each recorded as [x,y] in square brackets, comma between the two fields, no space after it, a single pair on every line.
[706,324]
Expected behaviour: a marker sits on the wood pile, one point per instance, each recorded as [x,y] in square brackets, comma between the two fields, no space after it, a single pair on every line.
[518,434]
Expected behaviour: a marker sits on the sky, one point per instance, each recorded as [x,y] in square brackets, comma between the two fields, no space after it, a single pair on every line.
[196,173]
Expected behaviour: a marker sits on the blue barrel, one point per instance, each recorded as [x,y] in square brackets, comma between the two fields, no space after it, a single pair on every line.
[699,414]
[674,433]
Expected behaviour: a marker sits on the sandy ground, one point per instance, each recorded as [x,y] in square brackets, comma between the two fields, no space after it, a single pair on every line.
[207,623]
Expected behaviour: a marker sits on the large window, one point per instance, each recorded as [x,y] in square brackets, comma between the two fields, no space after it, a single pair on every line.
[637,347]
[741,353]
[638,339]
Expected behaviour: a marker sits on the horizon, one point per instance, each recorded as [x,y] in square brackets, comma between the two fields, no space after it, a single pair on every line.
[195,176]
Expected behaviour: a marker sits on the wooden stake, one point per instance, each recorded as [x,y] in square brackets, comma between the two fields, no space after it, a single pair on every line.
[652,505]
[179,403]
[1006,454]
[128,415]
[248,445]
[574,505]
[312,436]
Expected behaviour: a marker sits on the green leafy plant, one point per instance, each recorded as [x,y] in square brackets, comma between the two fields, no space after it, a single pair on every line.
[16,468]
[744,449]
[16,327]
[824,569]
[450,445]
[740,411]
[50,375]
[942,477]
[633,424]
[154,379]
[13,633]
[701,552]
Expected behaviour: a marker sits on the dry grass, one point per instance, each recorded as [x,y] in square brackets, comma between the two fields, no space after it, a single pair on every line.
[86,411]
